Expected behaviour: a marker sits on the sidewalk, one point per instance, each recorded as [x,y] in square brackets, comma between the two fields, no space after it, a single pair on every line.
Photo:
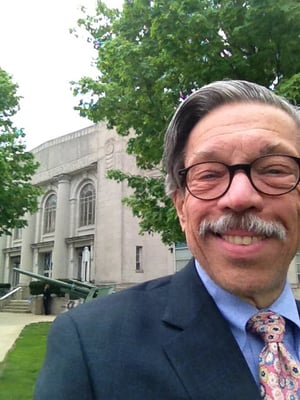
[11,325]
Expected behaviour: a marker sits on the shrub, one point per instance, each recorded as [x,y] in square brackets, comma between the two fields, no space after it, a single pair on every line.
[37,287]
[4,288]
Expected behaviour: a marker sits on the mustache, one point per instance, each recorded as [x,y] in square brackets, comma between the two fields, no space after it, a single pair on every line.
[248,222]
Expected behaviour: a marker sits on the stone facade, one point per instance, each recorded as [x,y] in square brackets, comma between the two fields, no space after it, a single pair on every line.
[82,230]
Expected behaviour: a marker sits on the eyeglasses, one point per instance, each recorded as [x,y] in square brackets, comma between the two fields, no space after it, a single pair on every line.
[272,175]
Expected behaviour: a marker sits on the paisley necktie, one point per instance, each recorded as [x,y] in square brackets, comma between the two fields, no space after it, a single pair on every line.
[279,373]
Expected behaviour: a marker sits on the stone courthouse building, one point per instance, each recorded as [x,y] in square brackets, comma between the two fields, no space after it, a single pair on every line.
[81,229]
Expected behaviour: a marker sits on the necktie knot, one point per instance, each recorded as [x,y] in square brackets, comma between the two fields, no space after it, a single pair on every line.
[279,373]
[268,325]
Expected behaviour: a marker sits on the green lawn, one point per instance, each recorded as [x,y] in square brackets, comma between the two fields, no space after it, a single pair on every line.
[20,368]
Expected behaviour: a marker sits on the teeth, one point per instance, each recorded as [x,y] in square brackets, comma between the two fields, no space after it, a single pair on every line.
[241,240]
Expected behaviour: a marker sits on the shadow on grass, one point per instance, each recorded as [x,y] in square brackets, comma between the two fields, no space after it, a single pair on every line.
[19,370]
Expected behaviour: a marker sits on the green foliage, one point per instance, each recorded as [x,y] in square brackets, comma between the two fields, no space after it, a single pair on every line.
[154,53]
[19,370]
[5,285]
[4,288]
[37,287]
[17,195]
[289,88]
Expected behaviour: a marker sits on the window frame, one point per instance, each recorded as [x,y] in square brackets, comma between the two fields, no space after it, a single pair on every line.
[87,205]
[50,213]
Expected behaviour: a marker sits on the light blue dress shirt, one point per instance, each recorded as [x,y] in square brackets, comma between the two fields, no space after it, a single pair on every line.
[237,312]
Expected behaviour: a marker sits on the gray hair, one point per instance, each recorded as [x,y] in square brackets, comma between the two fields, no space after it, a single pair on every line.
[198,105]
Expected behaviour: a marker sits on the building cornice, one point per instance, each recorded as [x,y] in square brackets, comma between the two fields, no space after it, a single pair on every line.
[41,245]
[14,249]
[79,239]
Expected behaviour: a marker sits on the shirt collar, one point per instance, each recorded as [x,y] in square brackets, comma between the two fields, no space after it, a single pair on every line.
[237,312]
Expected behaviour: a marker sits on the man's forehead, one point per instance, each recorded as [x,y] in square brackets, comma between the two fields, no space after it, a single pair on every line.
[235,117]
[254,129]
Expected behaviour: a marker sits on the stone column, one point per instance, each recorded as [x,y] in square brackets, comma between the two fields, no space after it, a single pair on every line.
[26,262]
[3,241]
[62,222]
[36,268]
[38,225]
[7,270]
[93,271]
[72,216]
[71,272]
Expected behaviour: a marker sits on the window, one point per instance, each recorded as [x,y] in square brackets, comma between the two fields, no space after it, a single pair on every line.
[138,258]
[47,264]
[49,214]
[15,263]
[87,205]
[17,234]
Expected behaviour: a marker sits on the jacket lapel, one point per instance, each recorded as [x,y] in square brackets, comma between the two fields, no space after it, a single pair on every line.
[203,350]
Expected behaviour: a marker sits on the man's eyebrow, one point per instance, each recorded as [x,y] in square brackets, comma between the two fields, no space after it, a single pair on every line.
[272,149]
[207,155]
[264,150]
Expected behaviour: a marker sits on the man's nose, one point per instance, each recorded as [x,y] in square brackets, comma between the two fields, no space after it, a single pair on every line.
[241,194]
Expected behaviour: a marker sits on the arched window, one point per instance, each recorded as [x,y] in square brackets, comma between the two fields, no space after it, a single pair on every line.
[49,214]
[87,205]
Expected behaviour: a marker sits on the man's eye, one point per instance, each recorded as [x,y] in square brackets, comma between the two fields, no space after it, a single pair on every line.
[275,170]
[208,175]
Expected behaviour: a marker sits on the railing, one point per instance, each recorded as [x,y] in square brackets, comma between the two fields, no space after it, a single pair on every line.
[7,296]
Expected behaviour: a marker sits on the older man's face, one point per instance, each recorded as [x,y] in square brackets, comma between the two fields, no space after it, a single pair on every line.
[245,263]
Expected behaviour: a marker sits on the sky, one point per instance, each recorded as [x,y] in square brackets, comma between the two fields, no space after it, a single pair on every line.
[42,57]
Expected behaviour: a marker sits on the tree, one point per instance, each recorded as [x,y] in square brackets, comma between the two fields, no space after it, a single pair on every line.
[17,195]
[152,54]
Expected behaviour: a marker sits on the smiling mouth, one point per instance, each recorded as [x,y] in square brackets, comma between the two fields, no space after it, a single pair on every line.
[241,240]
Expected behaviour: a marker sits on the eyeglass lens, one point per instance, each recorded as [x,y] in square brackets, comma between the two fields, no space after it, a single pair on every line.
[272,175]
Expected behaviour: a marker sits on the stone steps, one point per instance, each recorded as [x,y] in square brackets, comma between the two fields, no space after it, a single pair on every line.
[16,306]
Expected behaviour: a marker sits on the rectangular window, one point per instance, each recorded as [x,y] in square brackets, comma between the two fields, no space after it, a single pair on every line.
[138,258]
[87,205]
[49,221]
[50,214]
[87,212]
[47,264]
[17,233]
[15,263]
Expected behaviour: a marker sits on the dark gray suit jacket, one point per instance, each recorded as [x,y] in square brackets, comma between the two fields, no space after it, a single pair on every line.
[161,340]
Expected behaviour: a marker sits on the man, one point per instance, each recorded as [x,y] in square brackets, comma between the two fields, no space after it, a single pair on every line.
[47,299]
[231,155]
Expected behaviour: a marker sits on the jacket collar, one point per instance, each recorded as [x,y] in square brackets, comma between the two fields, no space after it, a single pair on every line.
[202,350]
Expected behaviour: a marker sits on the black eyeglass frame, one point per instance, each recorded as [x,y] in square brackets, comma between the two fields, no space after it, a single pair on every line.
[240,167]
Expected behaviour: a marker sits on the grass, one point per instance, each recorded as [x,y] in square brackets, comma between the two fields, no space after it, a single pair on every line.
[19,370]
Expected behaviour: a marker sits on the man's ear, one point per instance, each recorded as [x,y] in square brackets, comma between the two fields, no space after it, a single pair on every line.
[178,201]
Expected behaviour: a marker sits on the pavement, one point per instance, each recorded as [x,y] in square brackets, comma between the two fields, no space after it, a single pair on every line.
[11,325]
